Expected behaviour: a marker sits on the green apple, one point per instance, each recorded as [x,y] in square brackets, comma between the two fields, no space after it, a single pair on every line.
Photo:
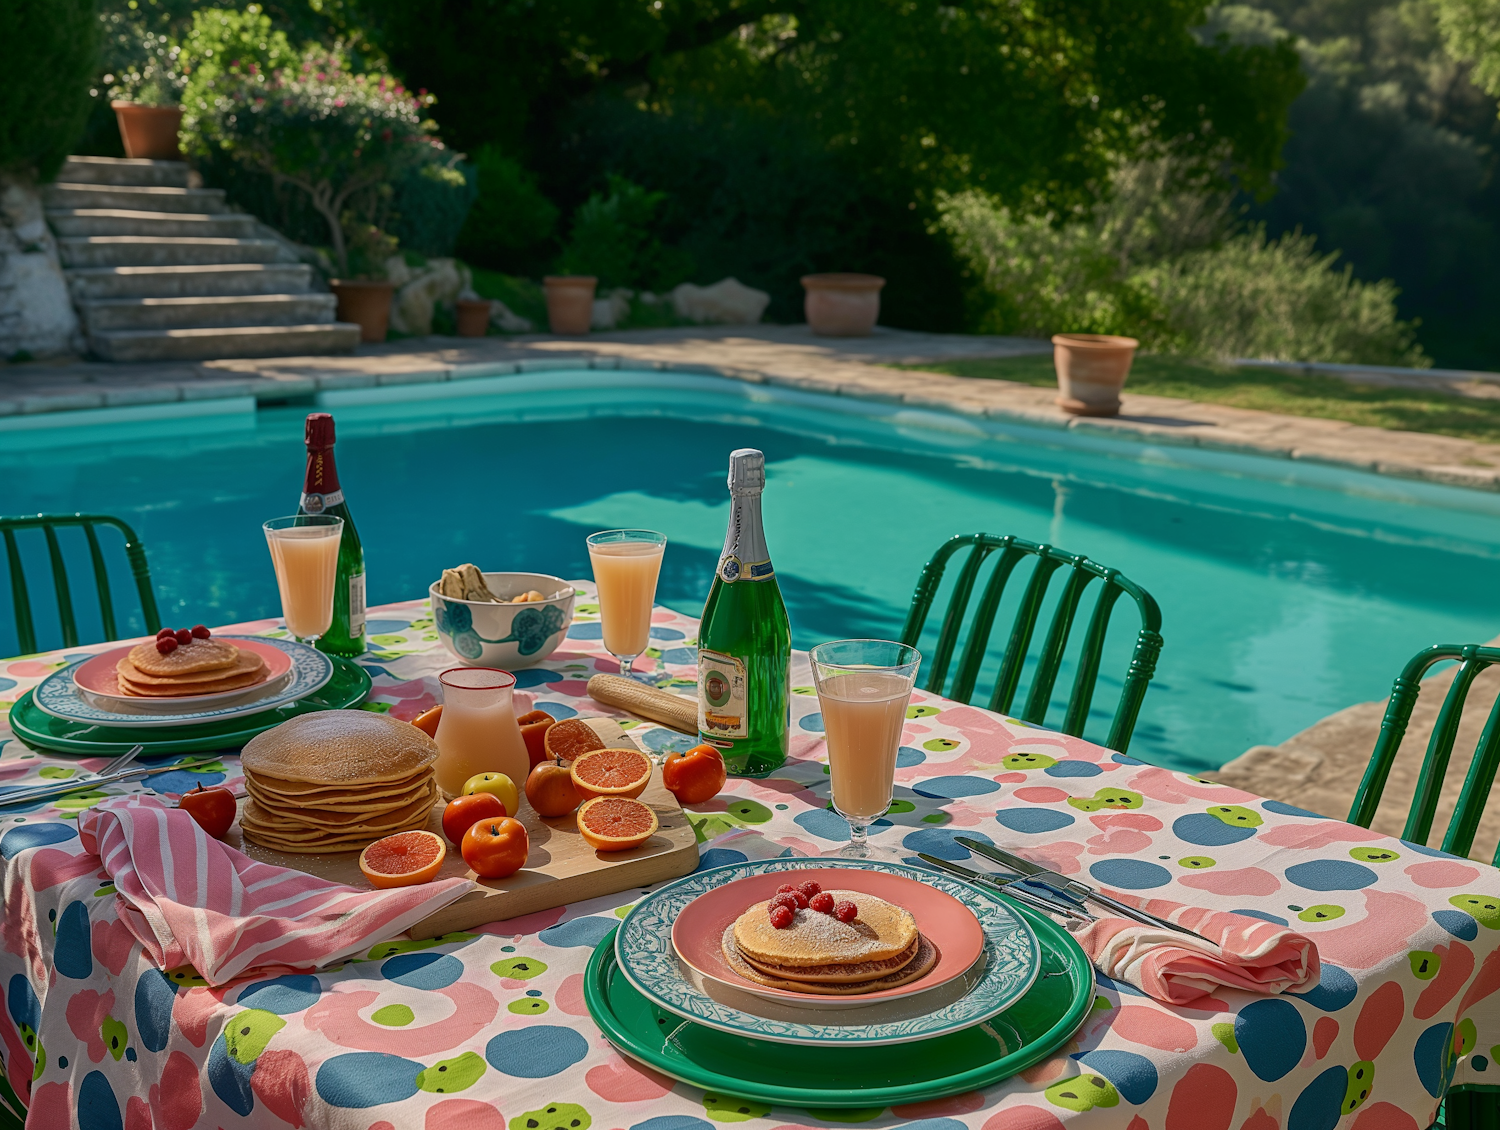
[499,784]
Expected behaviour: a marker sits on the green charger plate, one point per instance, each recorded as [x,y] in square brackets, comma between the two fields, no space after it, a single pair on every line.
[39,730]
[885,1075]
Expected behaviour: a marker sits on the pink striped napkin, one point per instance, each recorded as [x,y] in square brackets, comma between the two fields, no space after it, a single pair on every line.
[191,900]
[1245,953]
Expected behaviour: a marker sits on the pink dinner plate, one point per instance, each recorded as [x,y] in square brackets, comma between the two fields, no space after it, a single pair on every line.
[950,925]
[97,678]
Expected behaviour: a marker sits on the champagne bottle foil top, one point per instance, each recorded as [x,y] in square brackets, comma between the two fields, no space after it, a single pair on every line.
[747,471]
[319,431]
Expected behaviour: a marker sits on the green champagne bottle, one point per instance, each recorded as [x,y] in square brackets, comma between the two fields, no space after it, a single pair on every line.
[321,494]
[745,640]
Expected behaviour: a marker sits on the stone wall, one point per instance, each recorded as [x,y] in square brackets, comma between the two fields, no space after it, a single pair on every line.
[36,312]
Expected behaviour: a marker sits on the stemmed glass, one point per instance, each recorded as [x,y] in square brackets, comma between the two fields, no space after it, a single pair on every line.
[305,553]
[863,688]
[626,564]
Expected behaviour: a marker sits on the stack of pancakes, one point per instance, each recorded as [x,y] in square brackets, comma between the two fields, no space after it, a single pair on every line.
[336,780]
[200,667]
[817,953]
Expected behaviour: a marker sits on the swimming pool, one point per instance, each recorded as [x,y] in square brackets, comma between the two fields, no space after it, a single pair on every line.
[1288,589]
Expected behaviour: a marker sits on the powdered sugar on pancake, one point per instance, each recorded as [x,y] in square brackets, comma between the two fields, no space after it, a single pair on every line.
[881,931]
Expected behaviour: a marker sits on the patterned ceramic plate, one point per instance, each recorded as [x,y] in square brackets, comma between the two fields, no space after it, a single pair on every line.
[58,694]
[644,951]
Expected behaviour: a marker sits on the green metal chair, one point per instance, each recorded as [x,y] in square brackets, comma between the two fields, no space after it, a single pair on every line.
[1468,1106]
[1080,573]
[1459,837]
[49,524]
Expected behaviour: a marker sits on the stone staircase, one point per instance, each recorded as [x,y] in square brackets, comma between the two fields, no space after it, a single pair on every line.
[161,271]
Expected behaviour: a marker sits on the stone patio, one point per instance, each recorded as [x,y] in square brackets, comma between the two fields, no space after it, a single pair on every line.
[782,355]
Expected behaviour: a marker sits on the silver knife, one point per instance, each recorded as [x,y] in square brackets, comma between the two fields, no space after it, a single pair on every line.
[63,788]
[988,882]
[1063,885]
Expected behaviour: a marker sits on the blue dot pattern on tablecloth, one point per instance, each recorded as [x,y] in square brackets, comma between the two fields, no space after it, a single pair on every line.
[427,971]
[1319,1105]
[282,995]
[536,1052]
[1208,831]
[1130,874]
[1272,1037]
[587,931]
[1032,821]
[1330,875]
[951,788]
[357,1080]
[1335,989]
[24,836]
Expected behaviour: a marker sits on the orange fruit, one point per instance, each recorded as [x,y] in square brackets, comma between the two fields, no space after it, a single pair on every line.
[570,738]
[611,772]
[616,823]
[403,860]
[695,776]
[428,720]
[550,789]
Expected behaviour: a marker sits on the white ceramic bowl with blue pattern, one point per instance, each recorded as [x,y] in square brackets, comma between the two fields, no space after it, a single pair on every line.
[506,636]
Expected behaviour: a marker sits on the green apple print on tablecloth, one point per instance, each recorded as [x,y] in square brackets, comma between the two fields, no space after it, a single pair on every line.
[115,1036]
[1082,1092]
[518,968]
[1323,912]
[1373,855]
[1424,964]
[1236,815]
[1029,761]
[449,1075]
[728,1108]
[1361,1083]
[554,1116]
[248,1032]
[1196,862]
[1486,910]
[1107,798]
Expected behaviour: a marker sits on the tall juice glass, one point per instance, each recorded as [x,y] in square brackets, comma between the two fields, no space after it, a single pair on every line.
[863,688]
[477,732]
[626,564]
[305,553]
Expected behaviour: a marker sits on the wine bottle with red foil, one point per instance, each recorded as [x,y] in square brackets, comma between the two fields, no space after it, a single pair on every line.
[322,494]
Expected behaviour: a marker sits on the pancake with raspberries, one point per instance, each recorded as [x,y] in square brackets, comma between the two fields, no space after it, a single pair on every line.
[832,942]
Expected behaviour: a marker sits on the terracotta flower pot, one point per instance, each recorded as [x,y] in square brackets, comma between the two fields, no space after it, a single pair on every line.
[1091,371]
[570,302]
[842,305]
[473,317]
[149,131]
[365,302]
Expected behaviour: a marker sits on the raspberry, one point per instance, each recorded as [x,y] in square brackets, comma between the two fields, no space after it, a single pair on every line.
[810,888]
[846,911]
[788,899]
[166,645]
[165,632]
[200,632]
[802,900]
[785,889]
[781,916]
[184,636]
[821,902]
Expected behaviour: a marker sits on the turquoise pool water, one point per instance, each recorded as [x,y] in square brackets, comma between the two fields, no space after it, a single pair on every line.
[1288,589]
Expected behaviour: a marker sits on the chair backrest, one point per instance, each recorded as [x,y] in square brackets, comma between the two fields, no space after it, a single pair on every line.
[1080,573]
[49,524]
[1459,838]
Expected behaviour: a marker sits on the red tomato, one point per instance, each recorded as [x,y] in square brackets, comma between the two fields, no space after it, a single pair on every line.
[214,809]
[494,849]
[695,776]
[534,727]
[463,812]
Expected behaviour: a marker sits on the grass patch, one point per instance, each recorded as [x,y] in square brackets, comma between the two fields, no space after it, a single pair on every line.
[1379,406]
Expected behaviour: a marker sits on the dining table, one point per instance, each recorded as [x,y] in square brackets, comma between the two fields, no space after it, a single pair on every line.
[491,1029]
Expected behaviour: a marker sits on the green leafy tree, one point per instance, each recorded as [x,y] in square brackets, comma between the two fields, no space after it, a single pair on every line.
[1471,29]
[48,52]
[337,137]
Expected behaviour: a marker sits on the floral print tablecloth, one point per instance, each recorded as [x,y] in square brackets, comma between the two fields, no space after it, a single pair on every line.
[488,1029]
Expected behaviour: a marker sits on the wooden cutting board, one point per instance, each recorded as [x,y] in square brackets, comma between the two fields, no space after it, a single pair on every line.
[561,868]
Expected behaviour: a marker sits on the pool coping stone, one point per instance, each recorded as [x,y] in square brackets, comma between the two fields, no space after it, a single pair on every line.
[784,356]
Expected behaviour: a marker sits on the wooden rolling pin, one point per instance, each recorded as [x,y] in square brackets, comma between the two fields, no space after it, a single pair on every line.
[674,710]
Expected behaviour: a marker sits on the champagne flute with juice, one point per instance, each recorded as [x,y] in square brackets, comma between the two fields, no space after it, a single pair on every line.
[626,564]
[863,688]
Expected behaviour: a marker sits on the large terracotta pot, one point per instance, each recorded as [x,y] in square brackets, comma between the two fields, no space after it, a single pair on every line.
[365,302]
[842,305]
[473,317]
[149,131]
[570,302]
[1091,371]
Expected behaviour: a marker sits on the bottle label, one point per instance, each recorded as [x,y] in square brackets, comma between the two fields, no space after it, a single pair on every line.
[356,606]
[723,696]
[732,569]
[317,503]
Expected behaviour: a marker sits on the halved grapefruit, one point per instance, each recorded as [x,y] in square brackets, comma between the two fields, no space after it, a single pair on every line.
[570,738]
[403,860]
[616,823]
[611,772]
